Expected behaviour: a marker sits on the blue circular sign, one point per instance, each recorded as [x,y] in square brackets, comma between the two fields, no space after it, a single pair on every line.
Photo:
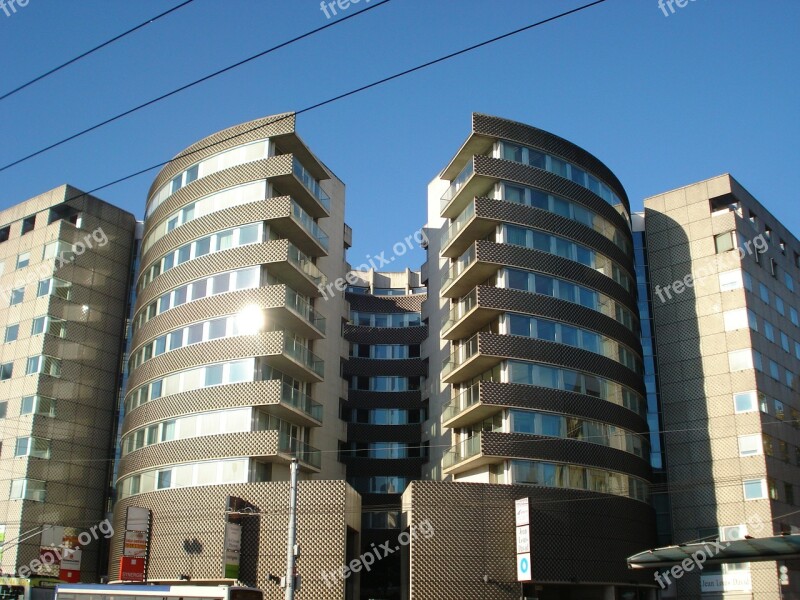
[523,565]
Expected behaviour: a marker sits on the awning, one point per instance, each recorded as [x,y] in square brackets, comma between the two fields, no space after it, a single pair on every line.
[781,547]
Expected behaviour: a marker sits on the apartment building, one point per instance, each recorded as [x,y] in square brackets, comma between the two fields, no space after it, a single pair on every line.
[530,276]
[235,362]
[64,276]
[725,274]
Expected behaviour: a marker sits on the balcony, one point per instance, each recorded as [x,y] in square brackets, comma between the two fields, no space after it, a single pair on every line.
[287,309]
[471,358]
[467,454]
[294,448]
[293,267]
[468,271]
[471,313]
[474,223]
[293,179]
[289,356]
[463,189]
[471,405]
[288,403]
[288,219]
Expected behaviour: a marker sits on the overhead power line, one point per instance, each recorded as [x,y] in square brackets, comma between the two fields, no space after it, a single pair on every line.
[339,97]
[95,49]
[190,85]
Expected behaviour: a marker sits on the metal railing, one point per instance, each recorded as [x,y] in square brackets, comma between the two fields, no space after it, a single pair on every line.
[467,398]
[302,451]
[462,451]
[464,352]
[294,397]
[307,223]
[458,223]
[311,184]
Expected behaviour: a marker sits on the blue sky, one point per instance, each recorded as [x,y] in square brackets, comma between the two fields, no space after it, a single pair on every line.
[663,101]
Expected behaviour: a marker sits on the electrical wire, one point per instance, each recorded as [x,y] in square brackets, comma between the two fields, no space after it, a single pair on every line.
[191,84]
[95,49]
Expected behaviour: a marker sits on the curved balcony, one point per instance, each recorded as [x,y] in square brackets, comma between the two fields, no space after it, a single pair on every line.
[288,219]
[464,188]
[469,360]
[294,180]
[469,407]
[290,404]
[289,356]
[286,309]
[306,455]
[292,266]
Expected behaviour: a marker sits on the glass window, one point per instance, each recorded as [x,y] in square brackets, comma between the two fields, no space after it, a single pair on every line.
[723,242]
[217,328]
[164,479]
[739,360]
[745,402]
[6,371]
[247,279]
[763,292]
[38,325]
[221,283]
[561,207]
[202,247]
[512,152]
[241,371]
[769,331]
[214,375]
[536,159]
[513,193]
[755,489]
[225,240]
[12,331]
[195,333]
[23,260]
[774,370]
[17,295]
[750,445]
[544,285]
[558,166]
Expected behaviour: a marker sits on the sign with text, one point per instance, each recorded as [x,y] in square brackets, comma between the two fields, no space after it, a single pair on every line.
[522,518]
[131,568]
[523,539]
[233,546]
[522,508]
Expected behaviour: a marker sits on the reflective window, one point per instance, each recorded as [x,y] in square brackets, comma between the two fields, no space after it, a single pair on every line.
[529,238]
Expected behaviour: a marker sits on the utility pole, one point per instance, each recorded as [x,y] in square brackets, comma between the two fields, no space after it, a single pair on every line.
[290,550]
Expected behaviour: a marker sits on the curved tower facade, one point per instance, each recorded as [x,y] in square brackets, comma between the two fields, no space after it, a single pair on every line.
[231,371]
[541,392]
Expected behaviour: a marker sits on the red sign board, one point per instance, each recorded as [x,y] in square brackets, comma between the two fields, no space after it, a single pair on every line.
[69,576]
[131,568]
